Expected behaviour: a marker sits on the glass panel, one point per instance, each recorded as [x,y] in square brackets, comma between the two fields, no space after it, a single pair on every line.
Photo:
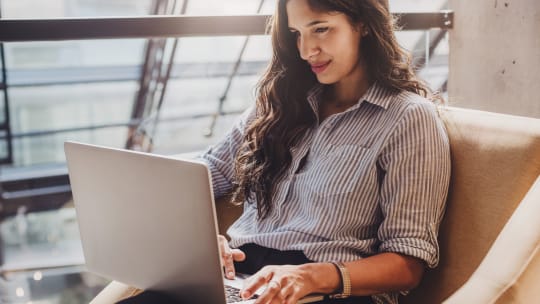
[71,285]
[200,81]
[25,58]
[436,71]
[190,135]
[61,107]
[41,240]
[85,8]
[203,49]
[182,129]
[417,5]
[2,107]
[230,7]
[73,8]
[60,86]
[432,68]
[259,48]
[49,148]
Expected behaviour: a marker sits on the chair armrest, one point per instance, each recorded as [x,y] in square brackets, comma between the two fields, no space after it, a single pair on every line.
[509,256]
[115,292]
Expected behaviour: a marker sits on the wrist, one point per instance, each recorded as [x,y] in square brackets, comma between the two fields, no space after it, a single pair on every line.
[345,290]
[324,277]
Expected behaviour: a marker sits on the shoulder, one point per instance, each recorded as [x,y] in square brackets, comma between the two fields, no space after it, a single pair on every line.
[415,117]
[407,105]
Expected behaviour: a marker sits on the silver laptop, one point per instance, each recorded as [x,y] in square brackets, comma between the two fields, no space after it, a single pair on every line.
[149,221]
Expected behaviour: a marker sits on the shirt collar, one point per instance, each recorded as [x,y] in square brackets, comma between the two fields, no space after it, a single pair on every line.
[376,95]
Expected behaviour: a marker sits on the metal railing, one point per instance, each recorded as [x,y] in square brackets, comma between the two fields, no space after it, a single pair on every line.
[17,30]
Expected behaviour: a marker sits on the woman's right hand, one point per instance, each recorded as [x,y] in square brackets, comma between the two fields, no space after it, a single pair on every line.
[228,256]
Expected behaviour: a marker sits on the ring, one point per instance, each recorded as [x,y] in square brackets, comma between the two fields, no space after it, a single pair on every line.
[275,282]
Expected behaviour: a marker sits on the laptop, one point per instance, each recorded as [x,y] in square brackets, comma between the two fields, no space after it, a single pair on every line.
[149,221]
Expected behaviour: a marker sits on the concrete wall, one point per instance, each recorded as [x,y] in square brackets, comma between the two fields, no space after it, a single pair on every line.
[495,56]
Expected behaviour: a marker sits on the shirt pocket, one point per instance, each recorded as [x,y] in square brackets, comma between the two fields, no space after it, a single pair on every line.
[338,171]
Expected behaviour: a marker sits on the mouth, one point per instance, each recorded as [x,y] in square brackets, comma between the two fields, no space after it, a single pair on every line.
[319,67]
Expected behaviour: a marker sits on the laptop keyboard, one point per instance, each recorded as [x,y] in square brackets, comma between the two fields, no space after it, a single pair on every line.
[233,294]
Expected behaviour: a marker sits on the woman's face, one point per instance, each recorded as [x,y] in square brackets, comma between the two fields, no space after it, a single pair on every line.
[327,41]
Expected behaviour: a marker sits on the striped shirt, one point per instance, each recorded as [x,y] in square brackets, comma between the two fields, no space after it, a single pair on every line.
[375,180]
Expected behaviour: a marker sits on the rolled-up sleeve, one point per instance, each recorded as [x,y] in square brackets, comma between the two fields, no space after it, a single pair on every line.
[220,157]
[416,166]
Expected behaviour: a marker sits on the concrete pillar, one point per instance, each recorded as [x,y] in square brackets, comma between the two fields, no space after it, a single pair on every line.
[495,56]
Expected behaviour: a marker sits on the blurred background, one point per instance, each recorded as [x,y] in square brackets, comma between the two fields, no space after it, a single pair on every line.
[165,96]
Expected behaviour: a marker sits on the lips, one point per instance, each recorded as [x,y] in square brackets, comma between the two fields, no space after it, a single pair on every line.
[319,67]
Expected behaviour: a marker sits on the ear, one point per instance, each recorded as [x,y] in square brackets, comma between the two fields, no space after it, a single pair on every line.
[363,29]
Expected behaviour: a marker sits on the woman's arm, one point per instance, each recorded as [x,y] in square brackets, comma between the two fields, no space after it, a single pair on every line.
[380,273]
[376,274]
[220,158]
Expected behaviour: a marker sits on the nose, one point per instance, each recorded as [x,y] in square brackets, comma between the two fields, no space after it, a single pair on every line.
[307,47]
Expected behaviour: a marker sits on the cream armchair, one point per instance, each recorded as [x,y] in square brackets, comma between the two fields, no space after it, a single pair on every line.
[495,185]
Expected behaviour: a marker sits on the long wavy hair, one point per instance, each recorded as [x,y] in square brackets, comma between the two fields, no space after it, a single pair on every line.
[283,114]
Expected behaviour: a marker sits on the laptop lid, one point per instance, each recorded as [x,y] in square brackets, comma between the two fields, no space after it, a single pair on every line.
[147,220]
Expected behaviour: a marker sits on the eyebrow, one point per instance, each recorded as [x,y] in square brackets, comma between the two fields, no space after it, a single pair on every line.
[312,23]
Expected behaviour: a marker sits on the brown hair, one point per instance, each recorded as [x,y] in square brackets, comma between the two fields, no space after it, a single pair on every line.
[282,112]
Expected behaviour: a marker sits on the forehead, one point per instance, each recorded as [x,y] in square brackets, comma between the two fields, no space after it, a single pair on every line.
[300,14]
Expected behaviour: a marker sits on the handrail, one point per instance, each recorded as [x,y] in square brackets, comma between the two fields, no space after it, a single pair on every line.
[18,30]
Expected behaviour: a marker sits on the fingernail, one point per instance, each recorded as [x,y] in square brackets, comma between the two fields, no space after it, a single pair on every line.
[245,294]
[231,274]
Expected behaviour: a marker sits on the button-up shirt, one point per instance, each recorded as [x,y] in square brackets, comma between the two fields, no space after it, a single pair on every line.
[375,180]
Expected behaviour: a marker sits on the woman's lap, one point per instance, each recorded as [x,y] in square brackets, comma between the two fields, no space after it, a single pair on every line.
[256,258]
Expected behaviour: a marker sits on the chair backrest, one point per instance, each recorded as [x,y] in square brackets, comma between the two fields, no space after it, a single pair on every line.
[495,160]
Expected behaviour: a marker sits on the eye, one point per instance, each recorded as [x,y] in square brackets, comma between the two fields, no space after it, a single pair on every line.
[321,30]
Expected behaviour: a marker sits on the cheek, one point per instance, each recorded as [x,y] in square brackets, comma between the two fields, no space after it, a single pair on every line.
[346,48]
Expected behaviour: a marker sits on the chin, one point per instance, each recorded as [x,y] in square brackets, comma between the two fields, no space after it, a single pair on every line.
[325,80]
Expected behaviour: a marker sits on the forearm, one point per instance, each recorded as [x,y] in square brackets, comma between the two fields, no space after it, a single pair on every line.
[376,274]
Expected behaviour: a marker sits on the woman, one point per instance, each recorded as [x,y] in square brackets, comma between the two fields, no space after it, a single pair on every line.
[342,166]
[341,160]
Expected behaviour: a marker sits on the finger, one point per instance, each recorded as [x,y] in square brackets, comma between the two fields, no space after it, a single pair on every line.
[251,285]
[228,264]
[271,293]
[229,268]
[287,291]
[292,294]
[226,257]
[223,246]
[238,255]
[278,300]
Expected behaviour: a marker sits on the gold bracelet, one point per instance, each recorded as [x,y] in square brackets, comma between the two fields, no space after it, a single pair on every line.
[345,282]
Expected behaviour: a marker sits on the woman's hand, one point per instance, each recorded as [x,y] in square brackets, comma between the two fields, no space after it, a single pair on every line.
[289,283]
[228,256]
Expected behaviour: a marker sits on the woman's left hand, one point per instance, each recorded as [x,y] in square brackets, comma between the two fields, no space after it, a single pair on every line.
[284,284]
